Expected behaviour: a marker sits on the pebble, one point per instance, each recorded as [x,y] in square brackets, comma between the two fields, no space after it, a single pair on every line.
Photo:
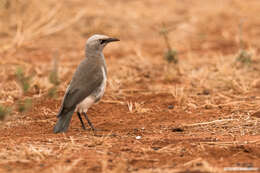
[138,137]
[170,107]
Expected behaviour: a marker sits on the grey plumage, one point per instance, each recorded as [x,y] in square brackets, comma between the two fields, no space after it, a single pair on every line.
[87,84]
[63,122]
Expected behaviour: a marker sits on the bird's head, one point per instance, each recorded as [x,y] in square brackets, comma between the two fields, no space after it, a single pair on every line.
[98,42]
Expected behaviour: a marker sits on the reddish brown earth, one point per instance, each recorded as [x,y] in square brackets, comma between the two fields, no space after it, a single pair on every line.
[200,115]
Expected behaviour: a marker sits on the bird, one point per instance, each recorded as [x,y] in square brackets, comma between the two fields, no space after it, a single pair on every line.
[87,85]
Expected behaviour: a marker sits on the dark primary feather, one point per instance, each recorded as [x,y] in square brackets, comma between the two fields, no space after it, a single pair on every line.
[63,122]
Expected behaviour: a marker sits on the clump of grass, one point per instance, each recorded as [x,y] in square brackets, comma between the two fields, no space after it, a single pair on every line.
[171,55]
[22,79]
[54,79]
[243,57]
[4,112]
[24,83]
[21,105]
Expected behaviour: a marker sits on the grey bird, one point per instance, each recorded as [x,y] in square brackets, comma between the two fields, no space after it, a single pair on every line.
[87,85]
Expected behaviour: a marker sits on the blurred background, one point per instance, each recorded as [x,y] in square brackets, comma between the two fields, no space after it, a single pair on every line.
[178,62]
[37,32]
[199,25]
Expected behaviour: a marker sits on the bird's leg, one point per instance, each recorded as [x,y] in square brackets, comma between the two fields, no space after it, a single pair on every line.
[82,123]
[89,122]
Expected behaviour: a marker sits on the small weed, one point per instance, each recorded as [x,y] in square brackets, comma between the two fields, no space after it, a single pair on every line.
[23,81]
[4,111]
[244,57]
[171,55]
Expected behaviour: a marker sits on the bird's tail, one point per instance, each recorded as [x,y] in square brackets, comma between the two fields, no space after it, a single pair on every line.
[63,122]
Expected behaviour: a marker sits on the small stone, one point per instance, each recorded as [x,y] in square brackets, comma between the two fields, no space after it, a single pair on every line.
[206,92]
[138,137]
[147,75]
[156,148]
[170,107]
[208,106]
[178,129]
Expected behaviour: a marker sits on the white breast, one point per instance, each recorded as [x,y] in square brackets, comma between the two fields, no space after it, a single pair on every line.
[103,85]
[88,101]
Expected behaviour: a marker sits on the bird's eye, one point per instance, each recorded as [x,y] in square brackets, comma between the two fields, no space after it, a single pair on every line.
[102,41]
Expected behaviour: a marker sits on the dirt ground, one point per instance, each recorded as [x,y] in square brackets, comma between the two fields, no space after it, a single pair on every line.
[199,115]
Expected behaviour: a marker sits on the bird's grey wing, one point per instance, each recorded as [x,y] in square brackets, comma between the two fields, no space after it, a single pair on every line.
[81,86]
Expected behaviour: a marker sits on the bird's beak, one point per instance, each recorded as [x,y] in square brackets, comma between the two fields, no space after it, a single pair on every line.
[112,40]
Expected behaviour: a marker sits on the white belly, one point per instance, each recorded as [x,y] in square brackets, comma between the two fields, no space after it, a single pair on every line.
[90,100]
[85,104]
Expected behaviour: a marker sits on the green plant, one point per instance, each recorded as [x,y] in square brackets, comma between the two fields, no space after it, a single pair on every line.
[171,55]
[243,57]
[24,83]
[22,79]
[4,111]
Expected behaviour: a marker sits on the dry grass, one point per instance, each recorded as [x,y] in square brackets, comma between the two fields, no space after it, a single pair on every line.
[137,107]
[196,165]
[236,124]
[28,21]
[65,169]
